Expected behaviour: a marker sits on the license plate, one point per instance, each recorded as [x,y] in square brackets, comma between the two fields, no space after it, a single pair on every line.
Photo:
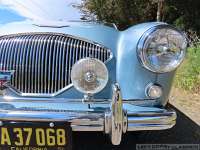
[35,136]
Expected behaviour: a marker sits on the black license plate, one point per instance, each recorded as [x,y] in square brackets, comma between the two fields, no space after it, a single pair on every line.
[35,136]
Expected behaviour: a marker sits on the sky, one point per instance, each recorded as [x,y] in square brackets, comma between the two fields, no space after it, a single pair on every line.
[8,16]
[39,10]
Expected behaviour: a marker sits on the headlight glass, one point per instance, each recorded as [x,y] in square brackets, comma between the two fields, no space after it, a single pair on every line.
[162,49]
[89,75]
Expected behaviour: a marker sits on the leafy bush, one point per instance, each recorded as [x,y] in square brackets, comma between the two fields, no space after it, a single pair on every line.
[188,75]
[184,14]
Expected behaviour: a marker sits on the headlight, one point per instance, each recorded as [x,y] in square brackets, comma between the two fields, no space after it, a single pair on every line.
[89,75]
[162,49]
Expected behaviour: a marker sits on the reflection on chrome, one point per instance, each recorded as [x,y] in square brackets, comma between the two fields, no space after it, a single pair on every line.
[116,120]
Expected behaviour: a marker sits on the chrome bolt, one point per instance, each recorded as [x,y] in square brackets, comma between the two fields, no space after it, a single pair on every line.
[1,123]
[51,124]
[90,76]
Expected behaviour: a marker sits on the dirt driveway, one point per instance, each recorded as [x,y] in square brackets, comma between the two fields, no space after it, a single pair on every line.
[187,103]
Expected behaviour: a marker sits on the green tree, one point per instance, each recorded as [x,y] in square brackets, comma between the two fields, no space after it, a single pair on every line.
[121,12]
[185,14]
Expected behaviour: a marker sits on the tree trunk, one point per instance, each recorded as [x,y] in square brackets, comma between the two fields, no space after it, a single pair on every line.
[160,10]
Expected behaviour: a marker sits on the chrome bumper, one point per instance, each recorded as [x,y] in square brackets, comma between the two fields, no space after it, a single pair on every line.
[114,120]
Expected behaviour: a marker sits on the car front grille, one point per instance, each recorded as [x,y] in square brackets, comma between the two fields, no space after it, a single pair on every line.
[42,62]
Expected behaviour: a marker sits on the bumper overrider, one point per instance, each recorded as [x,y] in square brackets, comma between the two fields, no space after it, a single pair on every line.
[114,120]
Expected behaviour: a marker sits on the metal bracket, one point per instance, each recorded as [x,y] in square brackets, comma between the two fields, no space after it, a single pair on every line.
[88,98]
[116,118]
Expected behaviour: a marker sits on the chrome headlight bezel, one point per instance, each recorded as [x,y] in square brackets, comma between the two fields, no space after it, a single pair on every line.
[141,48]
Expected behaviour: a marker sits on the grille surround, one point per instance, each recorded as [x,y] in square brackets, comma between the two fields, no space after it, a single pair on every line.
[34,48]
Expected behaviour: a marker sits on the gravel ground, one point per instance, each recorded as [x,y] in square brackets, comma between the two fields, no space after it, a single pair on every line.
[186,131]
[187,103]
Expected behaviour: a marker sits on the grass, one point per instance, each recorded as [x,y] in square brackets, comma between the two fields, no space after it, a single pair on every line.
[188,75]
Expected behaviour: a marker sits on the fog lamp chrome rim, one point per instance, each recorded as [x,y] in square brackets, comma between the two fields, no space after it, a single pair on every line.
[89,75]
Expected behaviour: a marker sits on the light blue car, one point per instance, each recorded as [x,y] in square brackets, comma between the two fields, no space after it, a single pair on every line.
[59,74]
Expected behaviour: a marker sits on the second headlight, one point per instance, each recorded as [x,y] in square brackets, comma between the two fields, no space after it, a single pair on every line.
[162,49]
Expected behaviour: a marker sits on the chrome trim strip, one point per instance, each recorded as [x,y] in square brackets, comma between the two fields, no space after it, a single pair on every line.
[45,95]
[65,100]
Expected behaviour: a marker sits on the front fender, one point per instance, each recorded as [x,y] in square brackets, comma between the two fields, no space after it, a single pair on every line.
[131,75]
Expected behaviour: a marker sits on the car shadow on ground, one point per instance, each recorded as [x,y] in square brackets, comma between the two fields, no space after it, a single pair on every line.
[185,132]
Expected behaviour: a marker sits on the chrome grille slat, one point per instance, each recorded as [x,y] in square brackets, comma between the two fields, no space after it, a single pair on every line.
[39,66]
[11,56]
[5,54]
[63,64]
[26,67]
[30,59]
[46,62]
[14,64]
[31,65]
[18,78]
[22,51]
[70,59]
[56,65]
[88,49]
[84,47]
[77,50]
[98,55]
[43,67]
[8,54]
[2,54]
[36,65]
[93,51]
[50,65]
[43,61]
[25,40]
[24,61]
[67,59]
[102,54]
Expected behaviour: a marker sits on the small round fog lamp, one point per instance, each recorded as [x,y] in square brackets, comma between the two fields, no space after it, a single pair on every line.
[89,75]
[154,91]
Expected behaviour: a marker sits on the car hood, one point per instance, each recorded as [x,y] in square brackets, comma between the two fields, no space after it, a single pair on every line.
[45,12]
